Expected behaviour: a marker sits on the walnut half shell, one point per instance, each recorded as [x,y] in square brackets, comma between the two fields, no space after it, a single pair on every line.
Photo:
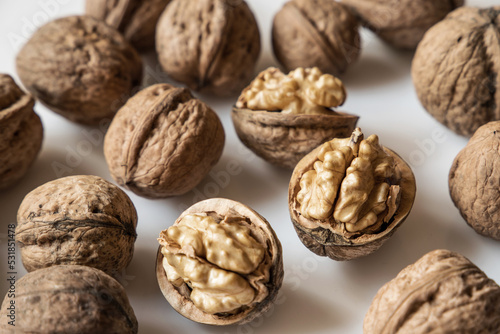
[238,257]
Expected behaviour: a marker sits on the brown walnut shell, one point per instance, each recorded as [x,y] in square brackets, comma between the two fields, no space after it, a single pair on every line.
[401,23]
[80,68]
[68,299]
[163,142]
[455,69]
[209,45]
[135,19]
[283,139]
[316,33]
[21,132]
[443,292]
[264,234]
[474,181]
[336,245]
[81,220]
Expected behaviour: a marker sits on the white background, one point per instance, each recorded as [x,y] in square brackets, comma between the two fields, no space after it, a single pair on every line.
[318,295]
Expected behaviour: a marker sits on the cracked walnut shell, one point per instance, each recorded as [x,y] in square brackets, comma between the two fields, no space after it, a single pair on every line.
[209,45]
[80,68]
[474,181]
[21,132]
[69,299]
[443,292]
[455,69]
[347,196]
[220,263]
[163,142]
[82,220]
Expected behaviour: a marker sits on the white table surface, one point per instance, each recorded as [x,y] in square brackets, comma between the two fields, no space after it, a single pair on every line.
[318,295]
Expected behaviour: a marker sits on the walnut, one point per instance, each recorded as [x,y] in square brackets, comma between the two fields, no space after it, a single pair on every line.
[322,33]
[455,69]
[209,45]
[163,142]
[443,292]
[474,181]
[80,68]
[348,196]
[21,132]
[220,263]
[81,220]
[135,19]
[282,117]
[69,299]
[401,23]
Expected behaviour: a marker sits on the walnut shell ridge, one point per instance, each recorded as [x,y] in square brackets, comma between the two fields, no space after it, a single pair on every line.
[443,292]
[69,299]
[455,69]
[163,142]
[209,45]
[135,19]
[316,33]
[474,181]
[80,68]
[82,220]
[21,132]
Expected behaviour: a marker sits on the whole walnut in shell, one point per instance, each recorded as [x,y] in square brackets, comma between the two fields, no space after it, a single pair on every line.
[80,68]
[401,23]
[455,69]
[163,142]
[443,292]
[316,33]
[209,45]
[21,132]
[69,299]
[135,19]
[220,263]
[348,196]
[81,220]
[474,181]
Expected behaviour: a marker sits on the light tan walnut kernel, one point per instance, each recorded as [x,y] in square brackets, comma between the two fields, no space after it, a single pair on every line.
[302,91]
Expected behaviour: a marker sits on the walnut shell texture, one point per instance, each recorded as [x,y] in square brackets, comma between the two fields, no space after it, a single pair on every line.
[83,220]
[21,132]
[336,245]
[163,142]
[443,292]
[401,23]
[474,181]
[135,19]
[316,33]
[264,234]
[209,45]
[80,68]
[455,69]
[69,299]
[285,139]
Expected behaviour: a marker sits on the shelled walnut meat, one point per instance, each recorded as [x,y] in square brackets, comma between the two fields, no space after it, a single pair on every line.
[443,292]
[401,23]
[68,299]
[80,68]
[474,181]
[209,45]
[455,69]
[82,219]
[348,196]
[163,142]
[282,117]
[316,33]
[21,132]
[220,263]
[135,19]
